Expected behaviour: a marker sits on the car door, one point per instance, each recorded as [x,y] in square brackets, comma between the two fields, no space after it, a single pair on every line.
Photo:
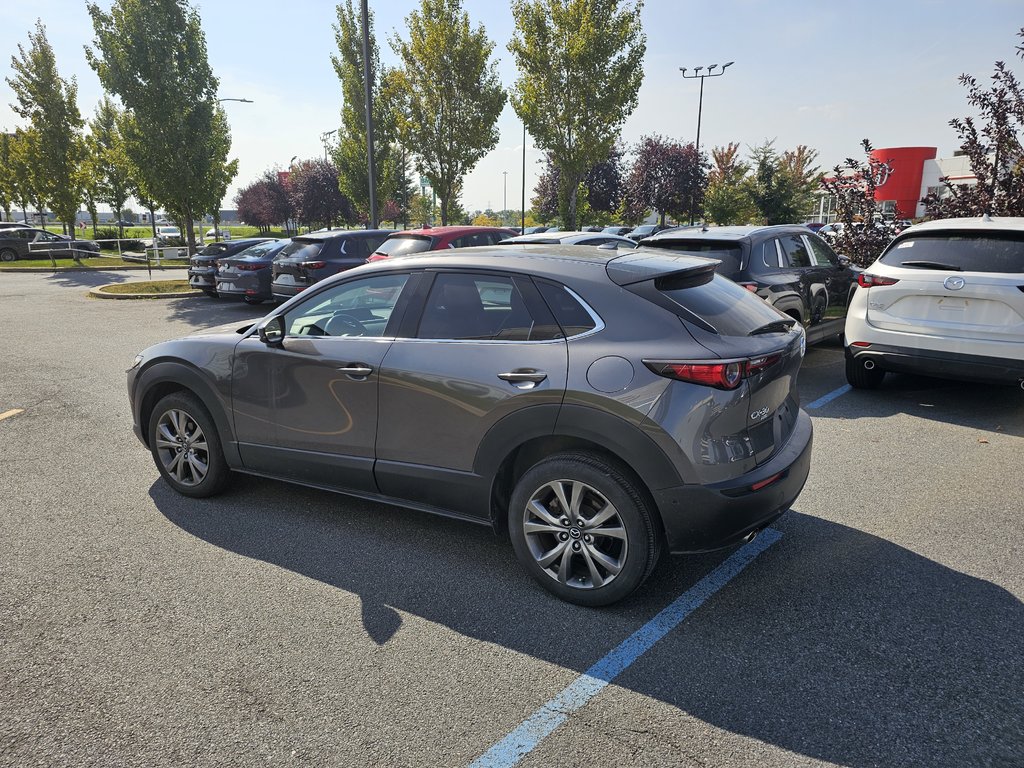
[839,278]
[483,349]
[306,409]
[812,279]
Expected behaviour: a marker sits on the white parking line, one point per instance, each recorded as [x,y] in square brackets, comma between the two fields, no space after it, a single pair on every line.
[826,399]
[12,412]
[534,729]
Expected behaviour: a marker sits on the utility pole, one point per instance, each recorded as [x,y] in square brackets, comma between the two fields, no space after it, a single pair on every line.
[368,87]
[504,197]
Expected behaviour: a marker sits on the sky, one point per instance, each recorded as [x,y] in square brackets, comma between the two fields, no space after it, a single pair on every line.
[824,74]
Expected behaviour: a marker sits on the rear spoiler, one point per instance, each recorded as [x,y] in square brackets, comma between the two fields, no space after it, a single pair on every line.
[643,264]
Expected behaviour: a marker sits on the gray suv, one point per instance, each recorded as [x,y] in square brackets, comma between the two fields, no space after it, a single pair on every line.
[601,407]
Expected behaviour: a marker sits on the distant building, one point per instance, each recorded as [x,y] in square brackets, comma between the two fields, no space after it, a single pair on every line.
[908,174]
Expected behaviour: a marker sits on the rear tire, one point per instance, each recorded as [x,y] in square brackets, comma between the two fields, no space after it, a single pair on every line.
[8,255]
[860,377]
[186,447]
[211,294]
[251,301]
[583,528]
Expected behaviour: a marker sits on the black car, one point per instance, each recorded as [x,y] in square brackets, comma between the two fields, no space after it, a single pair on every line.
[310,258]
[202,268]
[788,266]
[30,243]
[598,406]
[248,274]
[644,230]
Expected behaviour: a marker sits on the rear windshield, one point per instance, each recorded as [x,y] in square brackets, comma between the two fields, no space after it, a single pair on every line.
[967,251]
[301,249]
[404,244]
[213,250]
[729,253]
[259,250]
[732,310]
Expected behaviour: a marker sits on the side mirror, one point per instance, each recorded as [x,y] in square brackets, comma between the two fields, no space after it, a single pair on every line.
[843,260]
[271,332]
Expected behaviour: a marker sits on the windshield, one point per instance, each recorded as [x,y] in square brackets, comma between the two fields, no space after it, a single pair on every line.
[966,250]
[301,249]
[401,245]
[729,253]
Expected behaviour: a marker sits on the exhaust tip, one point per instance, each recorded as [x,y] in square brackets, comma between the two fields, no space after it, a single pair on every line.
[869,365]
[751,536]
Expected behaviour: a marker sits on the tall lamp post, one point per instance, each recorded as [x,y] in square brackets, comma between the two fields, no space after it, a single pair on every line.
[700,103]
[323,139]
[504,197]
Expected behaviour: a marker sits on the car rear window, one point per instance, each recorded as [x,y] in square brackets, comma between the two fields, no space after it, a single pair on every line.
[730,309]
[729,253]
[966,250]
[404,244]
[301,249]
[213,250]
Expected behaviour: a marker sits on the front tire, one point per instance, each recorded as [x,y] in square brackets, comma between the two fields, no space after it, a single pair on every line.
[860,377]
[186,447]
[583,528]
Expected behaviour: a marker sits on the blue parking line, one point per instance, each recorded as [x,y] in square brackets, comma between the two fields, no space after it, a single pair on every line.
[521,741]
[826,399]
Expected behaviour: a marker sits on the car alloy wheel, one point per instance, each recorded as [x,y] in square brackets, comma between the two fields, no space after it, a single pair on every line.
[8,255]
[186,447]
[582,527]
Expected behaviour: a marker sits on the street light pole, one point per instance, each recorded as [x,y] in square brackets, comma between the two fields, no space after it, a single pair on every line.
[504,196]
[323,139]
[522,212]
[700,106]
[368,88]
[244,101]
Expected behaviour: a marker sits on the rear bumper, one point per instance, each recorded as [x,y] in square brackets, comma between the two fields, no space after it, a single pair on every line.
[286,291]
[702,518]
[205,278]
[952,365]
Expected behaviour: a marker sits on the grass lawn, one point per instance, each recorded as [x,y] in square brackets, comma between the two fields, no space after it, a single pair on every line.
[154,287]
[92,262]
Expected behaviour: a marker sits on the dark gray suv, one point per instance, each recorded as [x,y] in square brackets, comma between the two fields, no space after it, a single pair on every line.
[599,406]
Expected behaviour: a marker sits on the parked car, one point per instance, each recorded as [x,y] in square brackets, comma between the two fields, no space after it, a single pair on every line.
[644,230]
[535,230]
[572,238]
[224,234]
[12,225]
[167,236]
[308,259]
[439,238]
[635,402]
[944,299]
[615,230]
[792,269]
[29,243]
[202,268]
[248,274]
[591,228]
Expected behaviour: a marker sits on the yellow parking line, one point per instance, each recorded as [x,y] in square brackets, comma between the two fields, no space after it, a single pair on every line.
[12,412]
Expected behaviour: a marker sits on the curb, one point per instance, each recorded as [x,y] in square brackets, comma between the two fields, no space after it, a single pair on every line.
[98,293]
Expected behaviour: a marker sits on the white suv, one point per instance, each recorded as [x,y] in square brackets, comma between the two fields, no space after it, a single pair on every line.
[946,299]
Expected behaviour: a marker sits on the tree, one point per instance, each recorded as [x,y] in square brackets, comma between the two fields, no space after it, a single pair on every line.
[726,200]
[450,95]
[864,233]
[50,104]
[315,196]
[782,187]
[152,54]
[24,165]
[113,170]
[600,193]
[667,177]
[994,150]
[89,179]
[580,69]
[350,152]
[8,190]
[264,203]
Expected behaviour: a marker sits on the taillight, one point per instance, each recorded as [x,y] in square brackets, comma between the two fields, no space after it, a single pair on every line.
[249,267]
[720,375]
[865,280]
[752,287]
[313,264]
[376,257]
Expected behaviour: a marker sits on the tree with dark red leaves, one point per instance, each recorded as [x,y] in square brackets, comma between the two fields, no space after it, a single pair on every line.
[667,177]
[314,194]
[264,203]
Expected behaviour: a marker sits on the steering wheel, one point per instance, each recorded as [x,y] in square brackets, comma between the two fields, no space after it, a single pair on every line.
[342,324]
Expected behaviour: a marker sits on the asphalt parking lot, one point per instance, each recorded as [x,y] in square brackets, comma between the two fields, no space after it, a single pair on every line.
[276,625]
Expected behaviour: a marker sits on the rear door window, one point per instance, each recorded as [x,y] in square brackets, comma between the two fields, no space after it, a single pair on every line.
[470,307]
[823,255]
[400,245]
[794,249]
[967,251]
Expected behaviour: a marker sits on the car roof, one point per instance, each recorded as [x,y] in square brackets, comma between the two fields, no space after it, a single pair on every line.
[724,233]
[565,238]
[981,223]
[451,229]
[330,234]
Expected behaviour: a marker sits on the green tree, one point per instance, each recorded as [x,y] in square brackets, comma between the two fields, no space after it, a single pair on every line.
[24,164]
[782,187]
[50,104]
[580,69]
[114,171]
[152,54]
[8,189]
[90,178]
[350,152]
[726,200]
[450,95]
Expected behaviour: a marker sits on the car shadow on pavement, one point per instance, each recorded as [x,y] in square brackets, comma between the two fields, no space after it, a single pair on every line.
[989,407]
[834,644]
[206,311]
[86,279]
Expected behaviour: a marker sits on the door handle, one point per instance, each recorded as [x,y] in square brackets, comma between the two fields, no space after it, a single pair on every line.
[356,369]
[523,378]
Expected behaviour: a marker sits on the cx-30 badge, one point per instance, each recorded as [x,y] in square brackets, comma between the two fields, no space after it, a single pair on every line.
[954,283]
[760,413]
